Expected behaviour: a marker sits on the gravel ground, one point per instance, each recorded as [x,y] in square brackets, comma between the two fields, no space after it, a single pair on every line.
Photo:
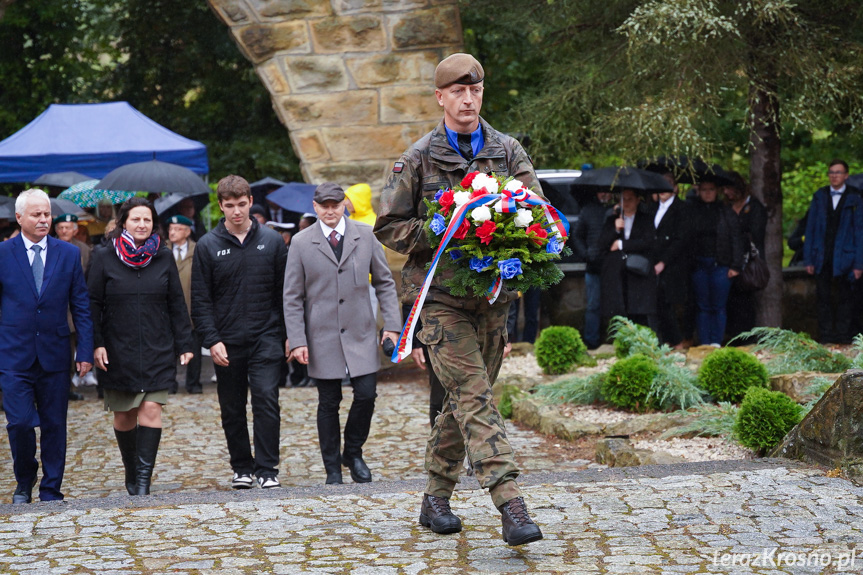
[696,448]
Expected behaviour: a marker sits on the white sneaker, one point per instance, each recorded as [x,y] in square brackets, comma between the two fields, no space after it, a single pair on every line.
[242,481]
[90,379]
[213,379]
[76,380]
[269,482]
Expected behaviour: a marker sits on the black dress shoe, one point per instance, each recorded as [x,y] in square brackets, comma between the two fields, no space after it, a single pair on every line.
[334,478]
[23,493]
[359,470]
[194,390]
[435,513]
[73,396]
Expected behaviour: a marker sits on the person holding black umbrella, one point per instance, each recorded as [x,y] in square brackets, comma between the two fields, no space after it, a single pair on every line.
[628,287]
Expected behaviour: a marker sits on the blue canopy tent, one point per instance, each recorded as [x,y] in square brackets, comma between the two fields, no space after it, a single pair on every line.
[93,139]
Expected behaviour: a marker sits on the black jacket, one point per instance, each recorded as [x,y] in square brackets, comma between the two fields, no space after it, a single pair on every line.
[716,233]
[585,237]
[237,288]
[140,318]
[672,248]
[753,224]
[624,293]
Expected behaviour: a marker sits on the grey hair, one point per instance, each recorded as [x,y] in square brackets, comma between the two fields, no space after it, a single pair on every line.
[28,196]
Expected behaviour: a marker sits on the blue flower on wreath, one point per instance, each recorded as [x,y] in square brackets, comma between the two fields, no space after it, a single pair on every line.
[479,265]
[456,254]
[554,246]
[509,268]
[438,195]
[438,224]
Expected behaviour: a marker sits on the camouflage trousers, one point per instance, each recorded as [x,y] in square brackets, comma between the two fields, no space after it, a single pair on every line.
[466,350]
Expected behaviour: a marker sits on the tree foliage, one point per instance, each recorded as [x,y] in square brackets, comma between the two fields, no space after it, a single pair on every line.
[173,61]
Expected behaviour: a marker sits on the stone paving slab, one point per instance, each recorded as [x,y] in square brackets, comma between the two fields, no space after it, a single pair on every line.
[761,516]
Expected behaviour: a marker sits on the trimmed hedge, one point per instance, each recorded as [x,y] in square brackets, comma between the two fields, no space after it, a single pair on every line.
[558,348]
[765,417]
[727,373]
[628,382]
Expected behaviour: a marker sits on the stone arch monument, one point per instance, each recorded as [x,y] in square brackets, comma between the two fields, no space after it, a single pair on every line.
[352,80]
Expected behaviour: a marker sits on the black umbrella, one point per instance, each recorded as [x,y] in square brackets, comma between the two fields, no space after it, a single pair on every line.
[687,170]
[168,203]
[261,188]
[294,197]
[618,178]
[60,206]
[61,179]
[156,177]
[7,208]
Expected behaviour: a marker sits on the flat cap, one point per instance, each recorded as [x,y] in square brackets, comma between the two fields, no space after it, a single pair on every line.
[329,191]
[182,220]
[65,218]
[460,68]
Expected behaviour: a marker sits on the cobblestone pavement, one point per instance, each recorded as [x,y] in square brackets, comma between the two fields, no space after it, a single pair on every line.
[765,516]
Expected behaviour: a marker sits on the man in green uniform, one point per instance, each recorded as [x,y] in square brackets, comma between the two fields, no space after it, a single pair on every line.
[465,337]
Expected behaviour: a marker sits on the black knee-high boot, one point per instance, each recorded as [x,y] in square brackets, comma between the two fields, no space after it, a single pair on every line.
[148,447]
[127,442]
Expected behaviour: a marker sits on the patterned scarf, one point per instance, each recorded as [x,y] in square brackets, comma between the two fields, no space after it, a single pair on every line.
[132,256]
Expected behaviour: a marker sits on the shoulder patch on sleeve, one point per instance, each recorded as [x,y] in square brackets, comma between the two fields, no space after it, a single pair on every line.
[398,167]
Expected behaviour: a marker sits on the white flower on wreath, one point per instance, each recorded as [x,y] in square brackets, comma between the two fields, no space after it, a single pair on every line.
[461,198]
[523,218]
[513,186]
[481,214]
[486,183]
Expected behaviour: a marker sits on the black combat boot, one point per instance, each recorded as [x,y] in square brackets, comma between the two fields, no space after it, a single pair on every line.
[127,442]
[436,514]
[518,527]
[148,447]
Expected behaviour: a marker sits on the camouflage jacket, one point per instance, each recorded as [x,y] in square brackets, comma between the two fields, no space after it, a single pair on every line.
[427,166]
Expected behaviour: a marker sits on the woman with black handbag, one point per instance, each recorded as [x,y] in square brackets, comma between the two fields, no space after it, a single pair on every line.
[752,219]
[628,279]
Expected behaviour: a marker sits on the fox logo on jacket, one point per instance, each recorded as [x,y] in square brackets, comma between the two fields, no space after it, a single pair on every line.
[223,252]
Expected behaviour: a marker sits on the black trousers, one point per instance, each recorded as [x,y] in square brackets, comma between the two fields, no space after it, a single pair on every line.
[359,418]
[667,312]
[835,306]
[193,368]
[254,369]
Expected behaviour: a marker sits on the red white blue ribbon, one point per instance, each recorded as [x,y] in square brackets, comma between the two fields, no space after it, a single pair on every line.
[508,204]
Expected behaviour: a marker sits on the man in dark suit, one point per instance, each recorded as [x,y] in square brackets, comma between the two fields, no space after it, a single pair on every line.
[40,279]
[672,262]
[331,324]
[833,252]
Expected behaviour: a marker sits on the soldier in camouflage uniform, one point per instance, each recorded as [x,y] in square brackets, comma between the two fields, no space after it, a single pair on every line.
[465,337]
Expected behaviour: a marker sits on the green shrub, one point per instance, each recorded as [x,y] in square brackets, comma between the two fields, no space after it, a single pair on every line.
[710,420]
[675,386]
[631,338]
[558,348]
[727,373]
[794,351]
[578,390]
[765,417]
[627,384]
[509,393]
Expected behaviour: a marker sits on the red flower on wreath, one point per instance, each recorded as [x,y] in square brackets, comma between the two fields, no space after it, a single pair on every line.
[461,232]
[445,201]
[485,231]
[537,229]
[468,180]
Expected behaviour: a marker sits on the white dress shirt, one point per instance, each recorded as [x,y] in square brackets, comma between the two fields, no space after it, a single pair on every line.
[43,243]
[835,197]
[660,212]
[340,228]
[181,251]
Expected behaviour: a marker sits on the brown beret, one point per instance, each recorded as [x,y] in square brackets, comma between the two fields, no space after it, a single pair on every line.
[329,191]
[459,68]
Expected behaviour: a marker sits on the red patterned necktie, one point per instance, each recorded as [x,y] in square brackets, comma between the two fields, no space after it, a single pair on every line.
[334,238]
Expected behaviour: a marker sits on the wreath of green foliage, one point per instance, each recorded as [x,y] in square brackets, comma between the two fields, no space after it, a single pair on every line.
[508,241]
[727,373]
[765,417]
[628,383]
[558,348]
[794,351]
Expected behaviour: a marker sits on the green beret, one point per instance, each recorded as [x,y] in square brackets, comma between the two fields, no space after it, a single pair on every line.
[65,218]
[459,68]
[182,220]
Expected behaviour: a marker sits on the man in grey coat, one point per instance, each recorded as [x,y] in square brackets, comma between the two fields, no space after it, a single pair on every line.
[331,324]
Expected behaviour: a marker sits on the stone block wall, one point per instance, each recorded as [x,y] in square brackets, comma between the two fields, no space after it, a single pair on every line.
[352,80]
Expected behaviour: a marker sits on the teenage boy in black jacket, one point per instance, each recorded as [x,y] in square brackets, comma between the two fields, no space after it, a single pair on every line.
[237,279]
